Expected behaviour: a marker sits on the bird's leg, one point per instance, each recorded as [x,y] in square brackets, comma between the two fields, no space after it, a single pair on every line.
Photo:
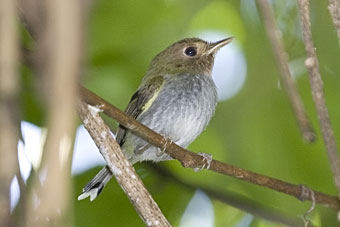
[141,150]
[207,158]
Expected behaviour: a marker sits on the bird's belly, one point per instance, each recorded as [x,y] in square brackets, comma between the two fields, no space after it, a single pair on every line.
[180,112]
[182,130]
[187,127]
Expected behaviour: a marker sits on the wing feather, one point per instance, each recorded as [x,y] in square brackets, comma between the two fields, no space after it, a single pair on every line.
[140,101]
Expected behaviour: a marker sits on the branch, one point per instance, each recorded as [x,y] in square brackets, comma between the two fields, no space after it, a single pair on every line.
[59,47]
[33,16]
[274,35]
[312,65]
[189,159]
[228,197]
[121,168]
[334,9]
[9,121]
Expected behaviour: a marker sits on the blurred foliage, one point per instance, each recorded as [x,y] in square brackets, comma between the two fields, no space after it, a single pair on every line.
[255,129]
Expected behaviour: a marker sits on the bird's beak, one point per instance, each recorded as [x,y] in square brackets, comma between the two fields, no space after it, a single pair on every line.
[214,47]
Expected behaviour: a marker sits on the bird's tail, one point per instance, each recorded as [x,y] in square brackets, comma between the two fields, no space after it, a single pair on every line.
[96,185]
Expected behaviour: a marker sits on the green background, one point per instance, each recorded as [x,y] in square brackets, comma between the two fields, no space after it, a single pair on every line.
[255,129]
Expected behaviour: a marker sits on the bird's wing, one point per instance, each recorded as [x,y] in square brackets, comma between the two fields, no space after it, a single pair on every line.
[141,100]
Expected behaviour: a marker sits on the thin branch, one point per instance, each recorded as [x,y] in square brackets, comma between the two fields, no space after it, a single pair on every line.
[189,159]
[334,9]
[312,65]
[231,198]
[310,210]
[59,47]
[121,168]
[33,16]
[274,35]
[9,121]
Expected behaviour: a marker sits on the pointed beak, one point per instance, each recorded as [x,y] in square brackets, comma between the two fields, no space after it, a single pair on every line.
[214,47]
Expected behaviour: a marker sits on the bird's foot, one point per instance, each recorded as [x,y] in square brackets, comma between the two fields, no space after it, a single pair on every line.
[207,158]
[167,140]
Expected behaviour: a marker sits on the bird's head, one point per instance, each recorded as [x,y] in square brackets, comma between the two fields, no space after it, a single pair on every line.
[193,55]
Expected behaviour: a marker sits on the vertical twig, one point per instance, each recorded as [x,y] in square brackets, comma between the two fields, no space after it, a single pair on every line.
[274,35]
[61,49]
[312,65]
[33,16]
[334,9]
[9,126]
[121,168]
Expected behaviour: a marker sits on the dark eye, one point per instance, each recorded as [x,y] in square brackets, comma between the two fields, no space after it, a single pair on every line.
[190,51]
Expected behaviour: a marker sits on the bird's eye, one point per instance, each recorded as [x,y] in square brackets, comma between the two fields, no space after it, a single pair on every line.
[190,51]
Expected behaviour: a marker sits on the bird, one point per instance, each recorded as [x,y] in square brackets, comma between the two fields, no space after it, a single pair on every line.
[176,98]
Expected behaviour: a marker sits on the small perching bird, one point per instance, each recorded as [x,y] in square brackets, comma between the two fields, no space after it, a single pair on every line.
[176,98]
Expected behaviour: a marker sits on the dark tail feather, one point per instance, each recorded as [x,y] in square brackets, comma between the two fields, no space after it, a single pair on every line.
[96,185]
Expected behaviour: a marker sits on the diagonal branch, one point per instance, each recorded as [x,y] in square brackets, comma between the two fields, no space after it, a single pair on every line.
[274,35]
[190,159]
[121,168]
[312,65]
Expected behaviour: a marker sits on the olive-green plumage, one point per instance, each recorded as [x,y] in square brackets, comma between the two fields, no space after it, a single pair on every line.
[176,98]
